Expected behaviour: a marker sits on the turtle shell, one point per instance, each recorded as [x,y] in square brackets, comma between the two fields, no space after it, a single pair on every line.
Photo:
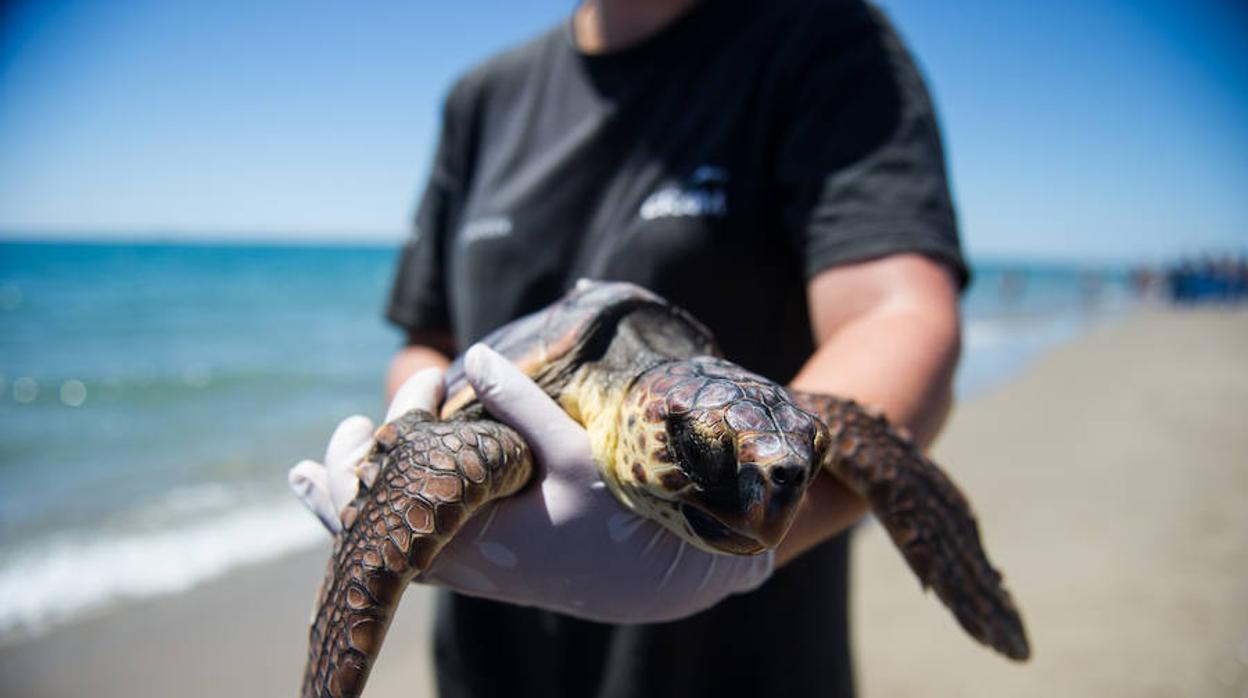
[574,329]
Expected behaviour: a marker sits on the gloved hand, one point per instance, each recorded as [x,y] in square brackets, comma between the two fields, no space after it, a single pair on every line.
[325,488]
[564,543]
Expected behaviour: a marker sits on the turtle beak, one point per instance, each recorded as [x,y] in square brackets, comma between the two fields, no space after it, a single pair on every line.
[760,510]
[769,498]
[716,535]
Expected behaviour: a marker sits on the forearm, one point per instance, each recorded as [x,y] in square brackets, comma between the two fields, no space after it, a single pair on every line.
[898,361]
[898,356]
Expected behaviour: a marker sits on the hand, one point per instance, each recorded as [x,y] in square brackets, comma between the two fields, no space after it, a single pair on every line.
[565,543]
[326,488]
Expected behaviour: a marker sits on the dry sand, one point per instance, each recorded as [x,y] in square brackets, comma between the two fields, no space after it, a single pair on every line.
[1111,481]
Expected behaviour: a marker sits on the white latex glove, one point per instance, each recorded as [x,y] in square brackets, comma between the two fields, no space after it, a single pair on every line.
[565,543]
[325,488]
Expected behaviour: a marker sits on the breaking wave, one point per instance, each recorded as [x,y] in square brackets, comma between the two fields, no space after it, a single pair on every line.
[53,580]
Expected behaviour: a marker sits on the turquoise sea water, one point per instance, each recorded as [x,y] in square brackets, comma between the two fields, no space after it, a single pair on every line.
[152,397]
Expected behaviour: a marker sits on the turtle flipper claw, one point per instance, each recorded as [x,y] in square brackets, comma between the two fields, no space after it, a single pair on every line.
[927,517]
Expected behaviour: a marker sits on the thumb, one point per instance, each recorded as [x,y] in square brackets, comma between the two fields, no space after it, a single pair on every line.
[514,398]
[423,391]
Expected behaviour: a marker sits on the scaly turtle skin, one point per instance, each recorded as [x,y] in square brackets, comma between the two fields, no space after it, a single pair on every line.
[718,455]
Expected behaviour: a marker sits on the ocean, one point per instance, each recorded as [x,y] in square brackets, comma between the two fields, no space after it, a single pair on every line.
[152,397]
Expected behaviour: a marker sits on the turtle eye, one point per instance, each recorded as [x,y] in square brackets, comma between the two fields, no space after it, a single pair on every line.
[709,461]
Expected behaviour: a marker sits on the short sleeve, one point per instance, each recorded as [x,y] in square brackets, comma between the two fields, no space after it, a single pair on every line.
[860,165]
[418,297]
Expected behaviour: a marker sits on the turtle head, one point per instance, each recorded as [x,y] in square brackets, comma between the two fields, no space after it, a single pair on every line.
[719,455]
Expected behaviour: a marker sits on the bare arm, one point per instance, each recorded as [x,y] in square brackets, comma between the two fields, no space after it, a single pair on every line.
[423,349]
[888,335]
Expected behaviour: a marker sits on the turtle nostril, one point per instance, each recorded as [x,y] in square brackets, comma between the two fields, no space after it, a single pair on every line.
[787,476]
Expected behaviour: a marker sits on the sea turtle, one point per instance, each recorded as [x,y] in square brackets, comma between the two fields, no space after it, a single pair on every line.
[717,454]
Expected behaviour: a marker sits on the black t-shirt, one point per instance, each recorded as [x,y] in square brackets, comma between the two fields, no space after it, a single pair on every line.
[721,163]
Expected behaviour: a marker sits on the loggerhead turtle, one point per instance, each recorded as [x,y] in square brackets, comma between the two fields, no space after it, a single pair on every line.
[718,455]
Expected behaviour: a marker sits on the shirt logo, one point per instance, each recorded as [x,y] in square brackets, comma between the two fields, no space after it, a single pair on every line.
[488,228]
[702,196]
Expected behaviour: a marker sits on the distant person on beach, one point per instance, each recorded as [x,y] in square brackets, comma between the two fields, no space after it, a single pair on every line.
[1209,279]
[776,169]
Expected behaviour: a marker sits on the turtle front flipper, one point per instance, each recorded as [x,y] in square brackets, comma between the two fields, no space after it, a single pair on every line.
[433,476]
[927,517]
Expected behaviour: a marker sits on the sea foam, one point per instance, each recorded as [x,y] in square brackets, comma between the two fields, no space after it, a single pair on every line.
[65,576]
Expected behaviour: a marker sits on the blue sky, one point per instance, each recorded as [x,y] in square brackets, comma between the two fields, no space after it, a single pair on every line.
[1101,129]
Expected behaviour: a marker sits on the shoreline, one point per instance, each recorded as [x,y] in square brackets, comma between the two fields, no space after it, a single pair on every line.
[1123,560]
[242,634]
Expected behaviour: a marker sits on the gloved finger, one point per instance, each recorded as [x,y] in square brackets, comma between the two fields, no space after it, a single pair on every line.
[515,399]
[310,482]
[758,569]
[347,447]
[422,391]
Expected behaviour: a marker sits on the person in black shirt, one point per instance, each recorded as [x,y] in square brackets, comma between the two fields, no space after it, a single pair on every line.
[773,167]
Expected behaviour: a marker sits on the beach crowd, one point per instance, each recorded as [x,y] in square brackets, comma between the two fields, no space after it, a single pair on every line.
[1205,279]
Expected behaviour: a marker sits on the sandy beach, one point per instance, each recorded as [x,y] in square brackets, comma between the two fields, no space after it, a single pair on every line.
[1111,480]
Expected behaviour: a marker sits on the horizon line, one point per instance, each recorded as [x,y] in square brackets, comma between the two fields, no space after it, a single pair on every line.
[173,235]
[375,240]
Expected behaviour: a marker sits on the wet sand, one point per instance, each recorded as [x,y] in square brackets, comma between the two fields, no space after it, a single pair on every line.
[1111,481]
[242,635]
